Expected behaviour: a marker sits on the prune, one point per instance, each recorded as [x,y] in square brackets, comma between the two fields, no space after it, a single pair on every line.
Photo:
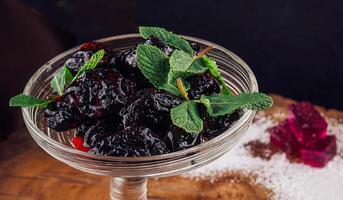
[127,64]
[177,139]
[214,126]
[97,93]
[202,84]
[151,108]
[77,60]
[195,47]
[94,131]
[159,44]
[132,141]
[84,54]
[60,116]
[94,92]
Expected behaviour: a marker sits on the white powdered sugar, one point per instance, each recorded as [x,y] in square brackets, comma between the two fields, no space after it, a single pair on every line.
[288,181]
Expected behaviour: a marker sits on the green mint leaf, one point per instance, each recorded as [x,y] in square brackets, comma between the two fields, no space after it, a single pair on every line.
[166,37]
[186,116]
[218,105]
[212,67]
[154,65]
[61,80]
[91,63]
[183,65]
[23,100]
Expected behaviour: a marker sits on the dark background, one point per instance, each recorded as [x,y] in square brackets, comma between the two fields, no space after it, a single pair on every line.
[295,48]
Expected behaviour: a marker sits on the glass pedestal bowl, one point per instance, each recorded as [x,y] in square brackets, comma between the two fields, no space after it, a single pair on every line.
[129,174]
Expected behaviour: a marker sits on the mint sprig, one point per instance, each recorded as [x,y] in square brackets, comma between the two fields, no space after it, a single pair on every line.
[219,105]
[169,74]
[91,63]
[186,116]
[183,65]
[166,37]
[212,67]
[22,100]
[58,83]
[61,80]
[153,64]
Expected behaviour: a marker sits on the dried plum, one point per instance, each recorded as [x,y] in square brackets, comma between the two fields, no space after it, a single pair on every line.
[94,131]
[75,62]
[158,43]
[202,84]
[177,139]
[132,141]
[214,126]
[99,92]
[151,108]
[60,116]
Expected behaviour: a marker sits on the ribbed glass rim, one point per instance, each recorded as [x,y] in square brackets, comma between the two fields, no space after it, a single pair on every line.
[248,114]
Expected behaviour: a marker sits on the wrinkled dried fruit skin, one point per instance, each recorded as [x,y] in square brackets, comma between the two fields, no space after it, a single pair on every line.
[195,47]
[202,84]
[177,139]
[99,92]
[168,50]
[126,63]
[319,152]
[94,131]
[151,108]
[131,142]
[214,126]
[60,116]
[76,61]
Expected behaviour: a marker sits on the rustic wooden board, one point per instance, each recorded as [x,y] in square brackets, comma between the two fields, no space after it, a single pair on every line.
[27,172]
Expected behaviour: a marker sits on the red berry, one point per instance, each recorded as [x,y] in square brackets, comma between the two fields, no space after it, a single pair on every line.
[91,46]
[78,144]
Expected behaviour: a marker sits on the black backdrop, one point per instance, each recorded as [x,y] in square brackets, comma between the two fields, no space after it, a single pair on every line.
[295,48]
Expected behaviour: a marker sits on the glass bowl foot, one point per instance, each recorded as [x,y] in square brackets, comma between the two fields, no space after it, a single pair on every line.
[128,188]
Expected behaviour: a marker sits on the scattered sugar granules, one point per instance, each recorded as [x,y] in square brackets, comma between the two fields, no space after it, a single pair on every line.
[288,181]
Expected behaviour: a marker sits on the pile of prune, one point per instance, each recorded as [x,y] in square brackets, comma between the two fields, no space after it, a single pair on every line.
[117,112]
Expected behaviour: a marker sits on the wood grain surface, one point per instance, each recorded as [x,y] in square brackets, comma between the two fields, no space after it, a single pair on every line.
[27,172]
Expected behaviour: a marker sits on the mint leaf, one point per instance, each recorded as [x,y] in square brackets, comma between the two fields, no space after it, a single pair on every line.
[166,37]
[212,67]
[183,65]
[23,100]
[91,63]
[153,64]
[186,116]
[61,80]
[218,105]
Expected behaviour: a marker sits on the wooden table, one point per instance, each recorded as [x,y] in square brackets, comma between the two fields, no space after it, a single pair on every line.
[27,172]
